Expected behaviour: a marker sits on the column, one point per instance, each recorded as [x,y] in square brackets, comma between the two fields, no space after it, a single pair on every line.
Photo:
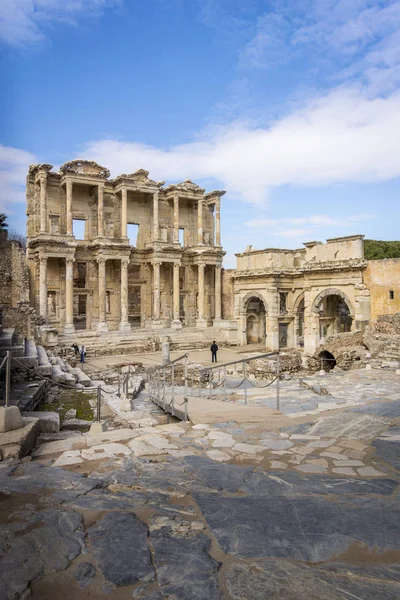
[124,324]
[69,296]
[155,217]
[217,223]
[43,215]
[217,293]
[43,286]
[176,323]
[156,290]
[100,210]
[176,219]
[124,212]
[102,325]
[201,321]
[68,186]
[200,222]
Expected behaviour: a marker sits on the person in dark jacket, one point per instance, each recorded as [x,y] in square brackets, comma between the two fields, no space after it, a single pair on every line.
[214,350]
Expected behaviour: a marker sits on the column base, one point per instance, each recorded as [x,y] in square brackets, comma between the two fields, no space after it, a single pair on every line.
[217,322]
[157,324]
[69,328]
[102,327]
[201,323]
[176,324]
[125,327]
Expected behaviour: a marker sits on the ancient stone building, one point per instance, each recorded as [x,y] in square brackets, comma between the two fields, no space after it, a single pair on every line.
[296,298]
[88,273]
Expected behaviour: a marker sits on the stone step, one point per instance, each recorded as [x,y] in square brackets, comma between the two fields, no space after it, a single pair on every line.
[17,351]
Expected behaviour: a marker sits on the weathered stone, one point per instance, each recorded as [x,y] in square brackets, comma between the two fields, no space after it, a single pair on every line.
[220,477]
[143,449]
[104,451]
[70,457]
[119,546]
[218,455]
[344,471]
[84,574]
[277,464]
[49,422]
[370,472]
[248,448]
[311,468]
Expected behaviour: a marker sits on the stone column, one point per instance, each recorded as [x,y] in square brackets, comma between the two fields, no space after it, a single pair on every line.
[43,286]
[200,222]
[217,222]
[176,219]
[311,325]
[201,321]
[124,212]
[156,293]
[43,208]
[176,323]
[69,296]
[124,324]
[68,187]
[102,325]
[155,217]
[217,293]
[100,210]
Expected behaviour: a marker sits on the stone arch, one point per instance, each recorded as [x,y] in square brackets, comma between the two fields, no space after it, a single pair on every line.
[297,302]
[248,297]
[331,292]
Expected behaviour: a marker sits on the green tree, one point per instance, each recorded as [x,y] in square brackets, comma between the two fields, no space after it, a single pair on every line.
[379,249]
[3,221]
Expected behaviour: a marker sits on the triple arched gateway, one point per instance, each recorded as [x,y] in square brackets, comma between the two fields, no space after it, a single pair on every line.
[310,293]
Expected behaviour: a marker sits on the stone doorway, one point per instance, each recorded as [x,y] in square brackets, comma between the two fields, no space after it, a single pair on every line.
[283,335]
[80,312]
[334,316]
[255,321]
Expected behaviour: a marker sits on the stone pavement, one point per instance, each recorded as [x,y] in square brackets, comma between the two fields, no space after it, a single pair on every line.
[233,511]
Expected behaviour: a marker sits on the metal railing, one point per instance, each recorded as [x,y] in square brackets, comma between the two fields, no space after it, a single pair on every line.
[161,378]
[7,362]
[122,387]
[243,371]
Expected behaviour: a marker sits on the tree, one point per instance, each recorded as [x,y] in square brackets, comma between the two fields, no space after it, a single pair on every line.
[18,237]
[379,249]
[3,221]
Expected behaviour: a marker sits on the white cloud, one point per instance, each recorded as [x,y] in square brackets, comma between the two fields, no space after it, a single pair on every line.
[343,136]
[25,22]
[14,165]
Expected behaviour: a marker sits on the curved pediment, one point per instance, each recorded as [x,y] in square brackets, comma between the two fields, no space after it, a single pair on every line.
[85,167]
[139,178]
[33,169]
[186,186]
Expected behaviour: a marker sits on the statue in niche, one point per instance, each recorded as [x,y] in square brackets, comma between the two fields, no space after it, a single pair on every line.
[51,305]
[207,238]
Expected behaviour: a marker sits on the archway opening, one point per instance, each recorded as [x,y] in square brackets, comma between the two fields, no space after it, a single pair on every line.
[255,321]
[328,361]
[334,316]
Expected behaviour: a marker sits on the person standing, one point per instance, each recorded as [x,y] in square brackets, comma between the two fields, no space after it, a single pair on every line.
[82,352]
[214,350]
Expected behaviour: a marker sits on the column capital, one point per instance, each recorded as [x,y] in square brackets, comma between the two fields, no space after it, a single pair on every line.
[42,176]
[43,260]
[69,259]
[101,260]
[202,266]
[157,263]
[125,261]
[101,185]
[176,265]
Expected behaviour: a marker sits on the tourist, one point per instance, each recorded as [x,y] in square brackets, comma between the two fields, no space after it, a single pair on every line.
[214,350]
[82,352]
[76,348]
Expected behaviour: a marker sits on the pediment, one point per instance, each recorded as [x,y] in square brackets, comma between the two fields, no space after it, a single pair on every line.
[139,178]
[85,167]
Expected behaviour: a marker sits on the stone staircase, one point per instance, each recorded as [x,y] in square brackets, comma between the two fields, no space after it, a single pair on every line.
[141,340]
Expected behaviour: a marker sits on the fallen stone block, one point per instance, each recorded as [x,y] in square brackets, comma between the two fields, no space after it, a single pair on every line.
[76,424]
[10,418]
[19,442]
[49,422]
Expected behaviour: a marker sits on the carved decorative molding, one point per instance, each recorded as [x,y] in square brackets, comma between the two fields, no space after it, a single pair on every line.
[85,167]
[139,178]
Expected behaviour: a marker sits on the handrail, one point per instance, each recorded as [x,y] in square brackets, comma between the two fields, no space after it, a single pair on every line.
[241,360]
[167,364]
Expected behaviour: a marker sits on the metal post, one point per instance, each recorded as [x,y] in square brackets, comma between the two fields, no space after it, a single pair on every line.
[173,388]
[278,400]
[210,381]
[98,403]
[164,393]
[119,386]
[8,377]
[225,384]
[158,387]
[245,380]
[185,391]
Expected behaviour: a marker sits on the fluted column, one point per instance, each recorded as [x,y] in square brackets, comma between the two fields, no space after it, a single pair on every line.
[217,223]
[176,219]
[43,286]
[124,324]
[69,296]
[43,208]
[156,290]
[100,210]
[124,212]
[217,292]
[102,325]
[200,222]
[176,323]
[201,321]
[68,190]
[155,217]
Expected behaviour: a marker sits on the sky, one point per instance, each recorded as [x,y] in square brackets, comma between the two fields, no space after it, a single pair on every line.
[291,106]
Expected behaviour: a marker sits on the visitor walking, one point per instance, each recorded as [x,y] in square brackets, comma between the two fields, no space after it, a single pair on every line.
[76,348]
[214,350]
[82,352]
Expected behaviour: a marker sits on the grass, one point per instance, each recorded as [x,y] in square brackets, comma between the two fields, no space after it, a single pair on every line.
[68,399]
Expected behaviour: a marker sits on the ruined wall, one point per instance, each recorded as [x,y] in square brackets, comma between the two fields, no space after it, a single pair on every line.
[382,277]
[14,275]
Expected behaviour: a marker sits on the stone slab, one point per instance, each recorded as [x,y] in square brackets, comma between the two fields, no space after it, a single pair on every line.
[351,425]
[49,422]
[10,418]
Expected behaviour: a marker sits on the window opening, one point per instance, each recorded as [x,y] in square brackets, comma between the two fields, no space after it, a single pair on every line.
[181,236]
[133,232]
[391,295]
[78,228]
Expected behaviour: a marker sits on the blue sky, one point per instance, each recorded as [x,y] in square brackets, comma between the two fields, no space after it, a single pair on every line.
[292,106]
